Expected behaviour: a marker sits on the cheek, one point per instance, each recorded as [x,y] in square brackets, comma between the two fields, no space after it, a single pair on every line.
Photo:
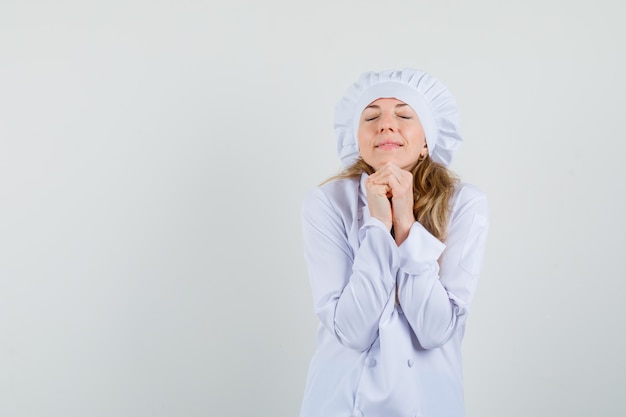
[418,137]
[362,136]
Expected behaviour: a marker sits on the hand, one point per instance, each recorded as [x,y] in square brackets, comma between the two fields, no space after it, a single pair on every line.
[378,194]
[398,185]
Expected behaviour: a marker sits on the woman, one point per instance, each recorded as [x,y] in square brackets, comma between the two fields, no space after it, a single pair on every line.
[394,245]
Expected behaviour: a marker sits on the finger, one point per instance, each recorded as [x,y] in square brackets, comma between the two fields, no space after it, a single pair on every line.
[392,178]
[377,175]
[401,187]
[380,179]
[377,189]
[394,183]
[398,172]
[405,178]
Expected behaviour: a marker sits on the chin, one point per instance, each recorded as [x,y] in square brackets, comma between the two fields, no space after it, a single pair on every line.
[406,165]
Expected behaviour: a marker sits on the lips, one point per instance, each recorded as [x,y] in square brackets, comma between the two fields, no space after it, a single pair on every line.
[388,144]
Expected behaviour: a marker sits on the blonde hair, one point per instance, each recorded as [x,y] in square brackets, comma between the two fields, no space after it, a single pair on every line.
[433,188]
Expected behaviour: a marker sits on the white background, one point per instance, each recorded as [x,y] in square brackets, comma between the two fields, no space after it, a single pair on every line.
[154,156]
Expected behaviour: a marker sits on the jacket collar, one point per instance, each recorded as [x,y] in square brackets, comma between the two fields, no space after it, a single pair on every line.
[363,208]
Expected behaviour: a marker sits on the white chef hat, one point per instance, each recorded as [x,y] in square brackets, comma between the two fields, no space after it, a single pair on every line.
[431,100]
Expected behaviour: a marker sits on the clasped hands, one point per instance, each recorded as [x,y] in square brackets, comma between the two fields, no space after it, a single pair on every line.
[389,193]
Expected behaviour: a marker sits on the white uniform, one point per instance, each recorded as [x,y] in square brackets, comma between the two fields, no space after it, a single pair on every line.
[374,357]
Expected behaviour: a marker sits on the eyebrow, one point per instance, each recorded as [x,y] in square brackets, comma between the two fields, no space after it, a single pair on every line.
[376,106]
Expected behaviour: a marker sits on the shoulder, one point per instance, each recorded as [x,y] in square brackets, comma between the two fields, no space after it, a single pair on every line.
[465,192]
[338,193]
[333,203]
[469,197]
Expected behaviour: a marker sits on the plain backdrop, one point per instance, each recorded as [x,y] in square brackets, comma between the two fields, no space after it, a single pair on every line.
[153,160]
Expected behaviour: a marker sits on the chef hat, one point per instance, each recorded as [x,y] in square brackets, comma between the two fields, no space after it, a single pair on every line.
[431,100]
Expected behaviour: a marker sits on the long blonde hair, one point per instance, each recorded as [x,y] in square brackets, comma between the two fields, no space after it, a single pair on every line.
[433,188]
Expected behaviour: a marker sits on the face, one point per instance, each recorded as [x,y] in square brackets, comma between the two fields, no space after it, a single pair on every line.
[389,130]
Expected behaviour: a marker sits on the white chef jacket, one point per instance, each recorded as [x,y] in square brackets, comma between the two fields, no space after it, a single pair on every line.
[375,358]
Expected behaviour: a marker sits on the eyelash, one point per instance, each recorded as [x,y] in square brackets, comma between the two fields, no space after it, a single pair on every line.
[375,117]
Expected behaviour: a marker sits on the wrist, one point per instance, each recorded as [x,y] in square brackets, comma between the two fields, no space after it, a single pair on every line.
[403,224]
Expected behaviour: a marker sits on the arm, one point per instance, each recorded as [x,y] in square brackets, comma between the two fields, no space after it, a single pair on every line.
[436,295]
[350,290]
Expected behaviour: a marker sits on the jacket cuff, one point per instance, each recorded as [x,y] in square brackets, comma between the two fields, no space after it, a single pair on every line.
[420,250]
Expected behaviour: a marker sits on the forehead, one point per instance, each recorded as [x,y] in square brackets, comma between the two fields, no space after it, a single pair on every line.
[391,101]
[387,103]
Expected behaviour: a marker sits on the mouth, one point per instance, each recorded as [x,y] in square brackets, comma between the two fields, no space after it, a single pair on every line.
[388,144]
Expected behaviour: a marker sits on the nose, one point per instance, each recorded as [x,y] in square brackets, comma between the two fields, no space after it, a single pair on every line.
[387,123]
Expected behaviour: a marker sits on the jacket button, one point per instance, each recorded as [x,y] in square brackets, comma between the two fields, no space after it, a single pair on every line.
[358,413]
[372,362]
[409,363]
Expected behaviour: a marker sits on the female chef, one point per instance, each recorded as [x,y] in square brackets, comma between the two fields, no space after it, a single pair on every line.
[394,245]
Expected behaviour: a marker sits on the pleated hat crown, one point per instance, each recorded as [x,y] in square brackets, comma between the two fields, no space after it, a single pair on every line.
[432,101]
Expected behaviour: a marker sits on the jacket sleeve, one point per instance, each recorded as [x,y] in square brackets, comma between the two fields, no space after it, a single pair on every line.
[436,282]
[350,288]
